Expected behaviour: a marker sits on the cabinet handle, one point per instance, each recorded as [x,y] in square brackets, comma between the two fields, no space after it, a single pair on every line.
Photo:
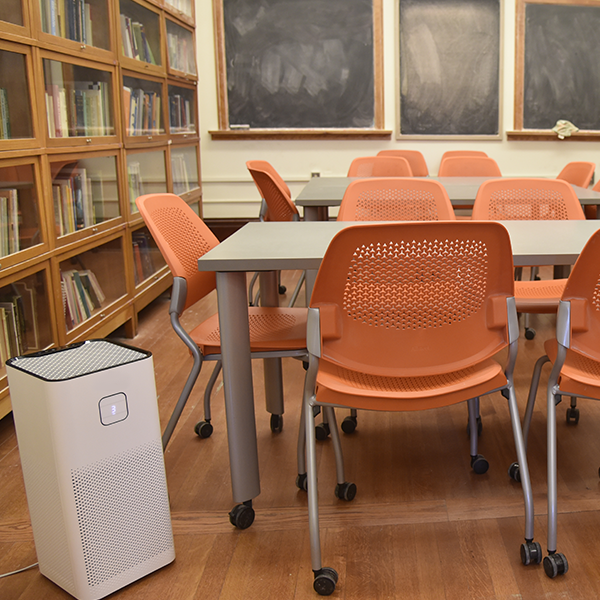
[94,229]
[102,315]
[150,137]
[83,46]
[88,140]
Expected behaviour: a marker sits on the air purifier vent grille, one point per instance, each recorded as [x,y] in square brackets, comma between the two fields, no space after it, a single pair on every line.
[80,359]
[120,523]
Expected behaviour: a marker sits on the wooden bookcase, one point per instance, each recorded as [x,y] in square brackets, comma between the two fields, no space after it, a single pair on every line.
[98,104]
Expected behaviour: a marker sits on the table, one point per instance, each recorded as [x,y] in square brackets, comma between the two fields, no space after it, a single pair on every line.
[273,246]
[322,192]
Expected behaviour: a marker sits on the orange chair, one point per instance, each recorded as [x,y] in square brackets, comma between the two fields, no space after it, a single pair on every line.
[451,153]
[182,238]
[380,166]
[415,159]
[395,199]
[276,205]
[512,199]
[469,166]
[575,356]
[580,173]
[404,317]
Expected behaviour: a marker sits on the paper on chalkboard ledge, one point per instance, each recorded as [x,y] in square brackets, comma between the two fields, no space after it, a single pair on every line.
[564,129]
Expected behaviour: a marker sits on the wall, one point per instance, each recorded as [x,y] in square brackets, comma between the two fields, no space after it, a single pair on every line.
[229,192]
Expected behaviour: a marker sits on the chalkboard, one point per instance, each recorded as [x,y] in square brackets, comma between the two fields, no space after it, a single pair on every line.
[300,64]
[561,77]
[449,81]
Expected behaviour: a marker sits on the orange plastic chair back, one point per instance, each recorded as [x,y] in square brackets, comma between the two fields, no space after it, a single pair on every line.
[578,173]
[380,166]
[583,291]
[273,190]
[469,166]
[451,153]
[415,159]
[182,238]
[527,198]
[414,299]
[395,199]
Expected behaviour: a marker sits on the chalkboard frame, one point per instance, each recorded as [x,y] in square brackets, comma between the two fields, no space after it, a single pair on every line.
[520,133]
[225,132]
[400,135]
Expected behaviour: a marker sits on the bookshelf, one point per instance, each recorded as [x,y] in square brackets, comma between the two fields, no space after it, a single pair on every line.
[95,109]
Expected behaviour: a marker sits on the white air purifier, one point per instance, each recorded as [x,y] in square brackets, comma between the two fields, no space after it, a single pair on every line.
[88,431]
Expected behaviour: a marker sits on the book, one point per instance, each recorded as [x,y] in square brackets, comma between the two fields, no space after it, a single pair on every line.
[4,115]
[29,296]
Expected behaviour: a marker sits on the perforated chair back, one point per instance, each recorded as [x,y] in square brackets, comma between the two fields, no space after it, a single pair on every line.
[273,190]
[414,299]
[380,166]
[469,166]
[528,198]
[395,199]
[452,153]
[415,159]
[182,238]
[578,173]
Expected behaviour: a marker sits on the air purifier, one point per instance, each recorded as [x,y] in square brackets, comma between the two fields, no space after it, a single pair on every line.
[88,431]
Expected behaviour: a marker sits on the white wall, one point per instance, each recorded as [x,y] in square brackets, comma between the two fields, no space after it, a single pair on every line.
[228,191]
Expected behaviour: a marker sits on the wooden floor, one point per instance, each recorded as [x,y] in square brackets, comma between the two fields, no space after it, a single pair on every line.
[422,526]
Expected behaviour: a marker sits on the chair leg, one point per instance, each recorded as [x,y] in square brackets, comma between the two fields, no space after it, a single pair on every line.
[253,301]
[533,387]
[203,428]
[297,289]
[478,463]
[301,479]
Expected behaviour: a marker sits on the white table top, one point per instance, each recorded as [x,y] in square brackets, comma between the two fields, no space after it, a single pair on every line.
[273,246]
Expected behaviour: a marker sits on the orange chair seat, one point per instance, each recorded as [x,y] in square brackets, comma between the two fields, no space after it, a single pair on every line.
[539,296]
[344,387]
[579,375]
[271,328]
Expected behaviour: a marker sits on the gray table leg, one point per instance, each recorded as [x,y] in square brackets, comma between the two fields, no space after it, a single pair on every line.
[237,382]
[316,213]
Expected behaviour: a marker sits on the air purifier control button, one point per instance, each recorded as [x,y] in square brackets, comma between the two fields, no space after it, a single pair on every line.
[113,409]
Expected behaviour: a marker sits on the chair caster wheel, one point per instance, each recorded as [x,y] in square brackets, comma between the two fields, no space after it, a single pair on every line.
[302,482]
[514,473]
[203,429]
[276,423]
[479,464]
[282,289]
[529,333]
[322,431]
[349,425]
[479,427]
[555,564]
[345,491]
[572,415]
[531,553]
[325,581]
[242,515]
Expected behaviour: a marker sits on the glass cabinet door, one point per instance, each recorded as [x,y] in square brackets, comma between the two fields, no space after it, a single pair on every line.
[184,169]
[181,6]
[15,105]
[143,106]
[181,49]
[182,110]
[140,33]
[147,258]
[11,11]
[146,174]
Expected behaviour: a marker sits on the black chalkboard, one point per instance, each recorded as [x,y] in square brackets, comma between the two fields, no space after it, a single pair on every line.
[449,67]
[561,66]
[299,63]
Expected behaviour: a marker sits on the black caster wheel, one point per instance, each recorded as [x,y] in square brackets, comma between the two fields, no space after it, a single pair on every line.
[203,429]
[514,473]
[276,423]
[529,333]
[349,425]
[282,289]
[572,415]
[555,564]
[242,515]
[325,581]
[302,482]
[345,491]
[479,464]
[531,553]
[322,431]
[479,427]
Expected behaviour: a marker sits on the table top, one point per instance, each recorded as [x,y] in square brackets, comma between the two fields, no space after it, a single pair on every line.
[274,246]
[329,191]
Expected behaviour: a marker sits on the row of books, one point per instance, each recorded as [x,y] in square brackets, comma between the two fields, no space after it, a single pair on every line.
[10,217]
[134,183]
[184,6]
[135,42]
[81,109]
[180,114]
[143,264]
[71,19]
[181,53]
[4,115]
[73,200]
[181,182]
[144,111]
[18,321]
[82,295]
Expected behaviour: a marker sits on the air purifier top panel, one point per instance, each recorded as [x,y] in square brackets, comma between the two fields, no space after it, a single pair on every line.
[77,359]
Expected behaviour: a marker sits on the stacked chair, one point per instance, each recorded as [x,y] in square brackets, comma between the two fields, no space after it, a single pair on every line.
[380,166]
[469,166]
[580,173]
[451,153]
[415,159]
